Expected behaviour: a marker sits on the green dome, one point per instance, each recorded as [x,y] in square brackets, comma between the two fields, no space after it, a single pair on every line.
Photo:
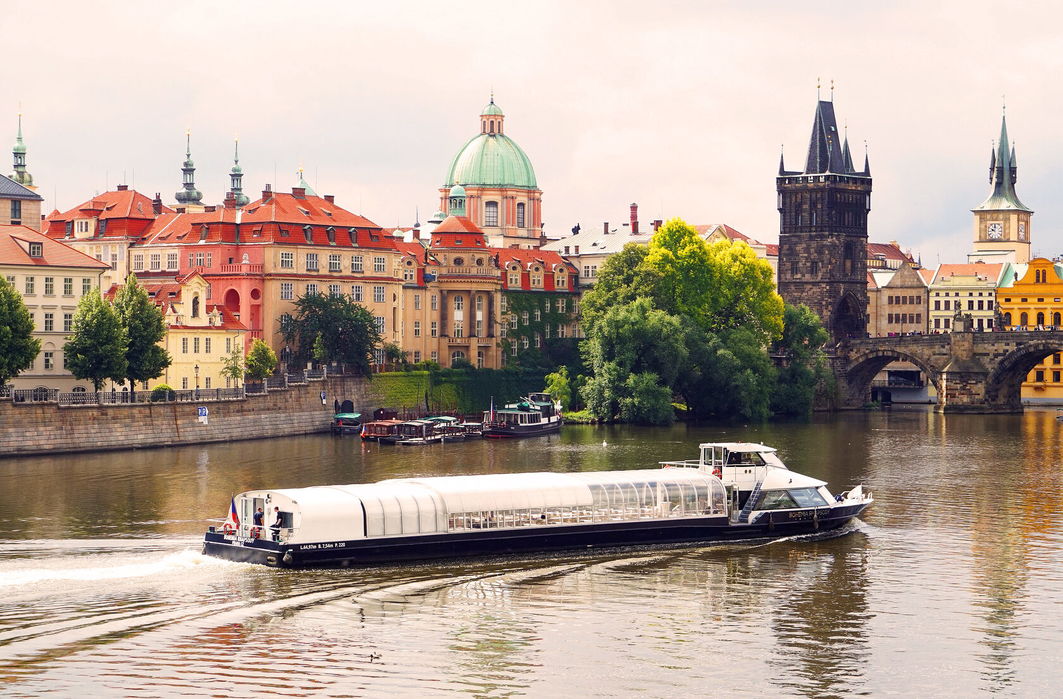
[491,160]
[492,109]
[457,191]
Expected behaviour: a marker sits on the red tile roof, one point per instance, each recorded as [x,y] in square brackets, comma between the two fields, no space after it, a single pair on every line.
[458,232]
[550,259]
[889,251]
[14,250]
[990,270]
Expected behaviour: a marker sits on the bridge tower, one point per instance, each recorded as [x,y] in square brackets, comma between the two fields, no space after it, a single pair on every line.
[1002,222]
[823,229]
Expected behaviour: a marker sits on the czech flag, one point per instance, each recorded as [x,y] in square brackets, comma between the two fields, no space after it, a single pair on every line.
[234,518]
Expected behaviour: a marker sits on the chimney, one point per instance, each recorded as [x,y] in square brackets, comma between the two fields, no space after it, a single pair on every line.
[634,218]
[605,228]
[267,193]
[156,204]
[230,200]
[123,187]
[657,224]
[299,192]
[330,198]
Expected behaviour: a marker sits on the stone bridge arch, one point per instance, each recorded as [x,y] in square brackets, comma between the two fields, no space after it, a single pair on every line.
[1004,382]
[862,367]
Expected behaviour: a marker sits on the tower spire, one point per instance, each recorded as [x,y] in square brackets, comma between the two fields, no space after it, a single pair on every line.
[1004,173]
[236,178]
[188,194]
[18,152]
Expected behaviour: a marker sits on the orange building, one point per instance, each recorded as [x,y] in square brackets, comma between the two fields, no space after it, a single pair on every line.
[1031,296]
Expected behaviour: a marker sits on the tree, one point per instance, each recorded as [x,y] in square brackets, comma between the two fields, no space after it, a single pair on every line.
[678,260]
[559,386]
[18,347]
[804,375]
[619,281]
[144,327]
[97,347]
[233,365]
[742,293]
[394,354]
[348,331]
[261,360]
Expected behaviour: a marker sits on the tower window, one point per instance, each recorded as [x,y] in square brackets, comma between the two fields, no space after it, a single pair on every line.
[491,213]
[520,215]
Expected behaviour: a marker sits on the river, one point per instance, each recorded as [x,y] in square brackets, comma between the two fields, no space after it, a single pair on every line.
[951,585]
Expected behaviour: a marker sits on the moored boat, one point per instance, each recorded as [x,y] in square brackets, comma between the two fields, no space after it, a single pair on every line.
[535,415]
[346,423]
[733,491]
[417,433]
[379,429]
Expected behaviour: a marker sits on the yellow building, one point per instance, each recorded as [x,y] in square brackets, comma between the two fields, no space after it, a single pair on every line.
[199,335]
[1031,297]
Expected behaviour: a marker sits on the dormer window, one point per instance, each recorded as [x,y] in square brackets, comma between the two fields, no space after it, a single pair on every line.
[331,232]
[457,241]
[308,233]
[353,232]
[203,231]
[69,229]
[36,249]
[327,212]
[304,211]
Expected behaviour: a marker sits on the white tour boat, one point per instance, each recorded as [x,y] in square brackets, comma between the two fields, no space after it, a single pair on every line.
[733,491]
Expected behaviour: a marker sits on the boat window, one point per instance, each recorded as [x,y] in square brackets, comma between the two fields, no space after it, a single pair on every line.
[807,497]
[776,500]
[747,458]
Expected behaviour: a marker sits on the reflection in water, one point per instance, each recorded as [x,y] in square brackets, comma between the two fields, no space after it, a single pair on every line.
[959,565]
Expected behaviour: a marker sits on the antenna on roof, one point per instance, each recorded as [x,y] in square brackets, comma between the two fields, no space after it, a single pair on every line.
[817,89]
[832,89]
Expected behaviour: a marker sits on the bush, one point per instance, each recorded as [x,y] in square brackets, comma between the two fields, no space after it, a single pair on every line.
[161,393]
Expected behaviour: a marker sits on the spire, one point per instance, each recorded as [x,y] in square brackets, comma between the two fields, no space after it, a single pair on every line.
[1004,175]
[824,148]
[304,184]
[847,157]
[992,160]
[18,152]
[867,163]
[188,194]
[236,179]
[782,162]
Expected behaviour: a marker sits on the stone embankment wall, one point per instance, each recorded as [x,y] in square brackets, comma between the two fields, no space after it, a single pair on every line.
[48,428]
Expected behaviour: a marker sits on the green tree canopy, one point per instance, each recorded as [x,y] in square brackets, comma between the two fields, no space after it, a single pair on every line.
[18,347]
[619,281]
[145,327]
[233,365]
[559,386]
[347,330]
[742,292]
[97,347]
[261,360]
[804,377]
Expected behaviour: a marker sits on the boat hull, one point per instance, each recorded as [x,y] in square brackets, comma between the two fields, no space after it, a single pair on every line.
[531,539]
[494,432]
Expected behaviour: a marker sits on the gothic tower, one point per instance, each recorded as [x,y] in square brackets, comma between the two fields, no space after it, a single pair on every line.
[823,230]
[236,180]
[1002,222]
[18,151]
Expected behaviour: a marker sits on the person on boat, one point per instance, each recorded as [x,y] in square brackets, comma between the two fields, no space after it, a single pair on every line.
[259,520]
[275,528]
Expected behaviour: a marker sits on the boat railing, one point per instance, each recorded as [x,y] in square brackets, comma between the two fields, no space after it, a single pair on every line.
[688,463]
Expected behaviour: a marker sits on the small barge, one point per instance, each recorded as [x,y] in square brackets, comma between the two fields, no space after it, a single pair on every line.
[733,491]
[535,415]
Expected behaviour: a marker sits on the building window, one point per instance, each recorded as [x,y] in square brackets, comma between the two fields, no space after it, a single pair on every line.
[287,260]
[538,341]
[228,345]
[538,315]
[513,321]
[311,262]
[524,342]
[459,329]
[562,305]
[435,356]
[546,331]
[68,322]
[513,278]
[416,302]
[513,347]
[171,260]
[155,260]
[287,291]
[409,274]
[86,285]
[416,328]
[49,322]
[16,212]
[358,292]
[206,382]
[459,303]
[378,294]
[379,264]
[334,263]
[562,330]
[503,304]
[49,286]
[416,356]
[491,213]
[356,264]
[435,302]
[138,262]
[520,215]
[184,345]
[184,383]
[68,286]
[206,348]
[561,280]
[435,329]
[311,289]
[1039,375]
[49,360]
[334,290]
[195,345]
[30,285]
[379,320]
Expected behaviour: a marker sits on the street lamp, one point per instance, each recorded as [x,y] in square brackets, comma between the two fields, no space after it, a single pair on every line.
[196,370]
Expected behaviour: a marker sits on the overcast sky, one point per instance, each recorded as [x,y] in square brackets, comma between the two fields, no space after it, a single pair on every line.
[681,106]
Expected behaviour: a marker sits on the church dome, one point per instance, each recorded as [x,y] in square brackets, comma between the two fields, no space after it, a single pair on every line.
[491,160]
[491,109]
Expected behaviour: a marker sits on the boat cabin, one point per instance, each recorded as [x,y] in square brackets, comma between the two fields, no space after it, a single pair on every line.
[379,429]
[448,504]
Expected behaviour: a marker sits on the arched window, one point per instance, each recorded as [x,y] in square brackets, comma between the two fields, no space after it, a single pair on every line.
[1024,319]
[1007,319]
[491,213]
[492,126]
[1056,320]
[520,215]
[1040,318]
[455,355]
[195,306]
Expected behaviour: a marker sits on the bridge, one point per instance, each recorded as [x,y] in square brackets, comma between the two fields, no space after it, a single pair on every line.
[973,372]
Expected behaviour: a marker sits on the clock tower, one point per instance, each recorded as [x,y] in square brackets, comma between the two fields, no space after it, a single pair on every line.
[1002,222]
